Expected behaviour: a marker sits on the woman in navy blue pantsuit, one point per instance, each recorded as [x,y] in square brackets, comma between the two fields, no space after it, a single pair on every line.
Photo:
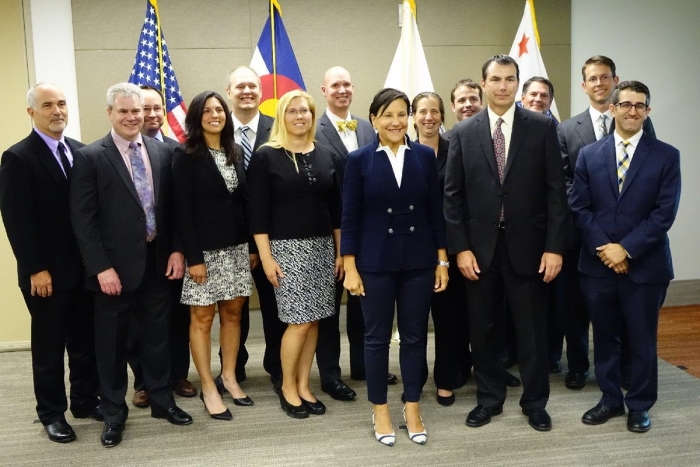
[393,245]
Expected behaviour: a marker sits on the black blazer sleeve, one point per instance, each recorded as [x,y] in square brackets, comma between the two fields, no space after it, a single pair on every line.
[184,206]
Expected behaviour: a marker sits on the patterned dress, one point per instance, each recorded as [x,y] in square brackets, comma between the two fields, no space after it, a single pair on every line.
[228,269]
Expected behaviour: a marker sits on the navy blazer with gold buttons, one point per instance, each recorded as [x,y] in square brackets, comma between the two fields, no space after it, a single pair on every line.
[387,227]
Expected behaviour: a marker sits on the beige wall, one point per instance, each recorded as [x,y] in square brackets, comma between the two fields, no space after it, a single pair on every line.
[208,39]
[14,81]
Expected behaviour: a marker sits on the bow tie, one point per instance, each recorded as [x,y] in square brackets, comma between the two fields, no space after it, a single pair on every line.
[347,125]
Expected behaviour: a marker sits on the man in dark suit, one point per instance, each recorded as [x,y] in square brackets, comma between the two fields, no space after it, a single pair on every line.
[505,208]
[35,178]
[624,200]
[594,123]
[343,133]
[153,119]
[251,130]
[121,202]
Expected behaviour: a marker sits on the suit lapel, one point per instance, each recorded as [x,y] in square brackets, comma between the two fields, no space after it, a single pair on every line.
[640,155]
[155,158]
[330,132]
[585,129]
[611,162]
[115,158]
[47,159]
[483,129]
[520,124]
[214,171]
[365,133]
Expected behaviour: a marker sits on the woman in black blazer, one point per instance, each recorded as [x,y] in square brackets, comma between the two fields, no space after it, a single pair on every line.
[393,245]
[211,203]
[449,310]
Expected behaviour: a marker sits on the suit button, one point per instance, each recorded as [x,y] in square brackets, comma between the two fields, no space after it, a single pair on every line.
[391,231]
[410,208]
[412,229]
[389,210]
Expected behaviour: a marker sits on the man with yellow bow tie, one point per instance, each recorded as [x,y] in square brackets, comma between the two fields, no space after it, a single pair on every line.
[343,133]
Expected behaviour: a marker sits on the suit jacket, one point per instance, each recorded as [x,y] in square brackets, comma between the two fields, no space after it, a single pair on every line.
[638,218]
[107,217]
[533,194]
[327,134]
[262,134]
[35,210]
[210,217]
[577,132]
[387,227]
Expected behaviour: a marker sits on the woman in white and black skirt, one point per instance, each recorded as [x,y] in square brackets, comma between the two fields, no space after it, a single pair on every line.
[295,211]
[211,202]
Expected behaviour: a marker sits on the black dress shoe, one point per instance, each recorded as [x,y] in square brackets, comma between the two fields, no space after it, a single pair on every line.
[638,421]
[60,432]
[601,414]
[575,380]
[95,412]
[314,408]
[294,411]
[277,386]
[225,415]
[482,414]
[391,379]
[174,415]
[538,418]
[243,401]
[111,434]
[446,401]
[555,366]
[512,381]
[338,390]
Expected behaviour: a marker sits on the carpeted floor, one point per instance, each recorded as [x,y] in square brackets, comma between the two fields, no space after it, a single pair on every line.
[263,436]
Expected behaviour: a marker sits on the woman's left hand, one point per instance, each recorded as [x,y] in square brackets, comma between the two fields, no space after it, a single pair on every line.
[339,269]
[441,278]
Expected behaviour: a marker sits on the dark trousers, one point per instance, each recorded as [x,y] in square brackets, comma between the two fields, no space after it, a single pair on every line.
[179,341]
[453,358]
[150,305]
[328,346]
[568,316]
[615,303]
[527,298]
[63,323]
[409,293]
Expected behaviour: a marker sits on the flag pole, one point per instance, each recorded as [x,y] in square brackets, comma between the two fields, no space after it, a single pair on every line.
[274,3]
[160,62]
[534,22]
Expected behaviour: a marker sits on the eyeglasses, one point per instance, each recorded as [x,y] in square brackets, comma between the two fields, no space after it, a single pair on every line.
[626,106]
[295,112]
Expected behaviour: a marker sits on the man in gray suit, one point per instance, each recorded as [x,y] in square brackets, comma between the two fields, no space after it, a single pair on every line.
[121,202]
[594,123]
[343,133]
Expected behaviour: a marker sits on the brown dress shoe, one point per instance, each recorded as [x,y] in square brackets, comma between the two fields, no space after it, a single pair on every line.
[184,388]
[141,399]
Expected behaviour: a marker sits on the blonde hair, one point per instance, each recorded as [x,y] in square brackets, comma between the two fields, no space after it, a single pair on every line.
[279,136]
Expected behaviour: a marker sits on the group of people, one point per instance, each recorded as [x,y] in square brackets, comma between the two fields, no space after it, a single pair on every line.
[473,226]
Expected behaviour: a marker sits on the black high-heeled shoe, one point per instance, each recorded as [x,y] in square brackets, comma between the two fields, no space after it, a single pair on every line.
[314,408]
[243,401]
[294,411]
[225,415]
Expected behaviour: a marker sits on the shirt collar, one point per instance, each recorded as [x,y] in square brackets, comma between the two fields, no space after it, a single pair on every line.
[253,124]
[633,140]
[595,114]
[335,119]
[507,117]
[123,143]
[51,142]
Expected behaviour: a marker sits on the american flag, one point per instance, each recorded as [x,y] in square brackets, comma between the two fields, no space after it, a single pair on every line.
[150,70]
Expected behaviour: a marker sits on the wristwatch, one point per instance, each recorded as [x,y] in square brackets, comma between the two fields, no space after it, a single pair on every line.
[444,263]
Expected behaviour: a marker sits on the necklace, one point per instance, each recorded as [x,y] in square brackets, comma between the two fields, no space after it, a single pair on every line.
[292,157]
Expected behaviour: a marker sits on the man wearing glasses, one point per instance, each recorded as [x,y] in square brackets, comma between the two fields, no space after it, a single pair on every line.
[594,123]
[624,200]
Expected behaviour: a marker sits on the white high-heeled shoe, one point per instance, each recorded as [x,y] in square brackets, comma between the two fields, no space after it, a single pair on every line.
[386,440]
[418,438]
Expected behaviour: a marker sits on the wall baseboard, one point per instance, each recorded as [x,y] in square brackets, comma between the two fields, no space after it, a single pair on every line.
[18,346]
[681,293]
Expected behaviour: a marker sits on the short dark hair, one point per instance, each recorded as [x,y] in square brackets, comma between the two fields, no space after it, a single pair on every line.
[635,86]
[599,60]
[501,60]
[539,79]
[195,144]
[385,97]
[147,87]
[469,83]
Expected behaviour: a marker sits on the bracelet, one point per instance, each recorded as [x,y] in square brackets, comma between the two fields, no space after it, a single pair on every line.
[444,263]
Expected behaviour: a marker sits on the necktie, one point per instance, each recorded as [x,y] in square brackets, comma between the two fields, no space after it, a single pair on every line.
[603,125]
[499,149]
[64,160]
[247,148]
[347,124]
[143,187]
[623,163]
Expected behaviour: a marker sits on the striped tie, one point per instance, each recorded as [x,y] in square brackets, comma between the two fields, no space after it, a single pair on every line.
[603,125]
[623,163]
[247,148]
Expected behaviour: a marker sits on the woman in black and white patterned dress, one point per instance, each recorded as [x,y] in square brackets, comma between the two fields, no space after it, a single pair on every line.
[211,202]
[295,211]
